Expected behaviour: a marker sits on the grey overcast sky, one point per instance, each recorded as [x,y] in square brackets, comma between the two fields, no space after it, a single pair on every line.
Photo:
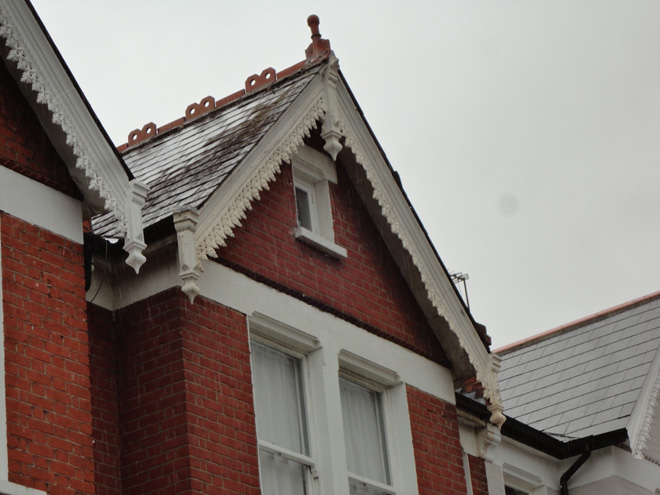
[526,134]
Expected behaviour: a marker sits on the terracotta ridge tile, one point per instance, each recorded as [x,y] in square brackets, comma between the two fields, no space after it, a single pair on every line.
[253,85]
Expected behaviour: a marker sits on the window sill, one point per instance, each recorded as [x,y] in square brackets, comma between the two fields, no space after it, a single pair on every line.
[321,243]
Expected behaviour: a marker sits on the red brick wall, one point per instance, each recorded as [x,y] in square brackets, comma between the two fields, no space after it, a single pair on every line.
[24,146]
[49,422]
[187,416]
[438,454]
[105,401]
[151,387]
[478,475]
[366,286]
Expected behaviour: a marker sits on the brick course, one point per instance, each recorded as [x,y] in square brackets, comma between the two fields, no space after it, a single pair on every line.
[49,421]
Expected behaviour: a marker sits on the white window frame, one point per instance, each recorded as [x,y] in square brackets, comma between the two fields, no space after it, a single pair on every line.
[521,480]
[324,361]
[386,418]
[395,416]
[313,172]
[296,344]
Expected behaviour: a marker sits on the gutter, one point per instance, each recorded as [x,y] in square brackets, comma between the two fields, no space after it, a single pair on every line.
[538,440]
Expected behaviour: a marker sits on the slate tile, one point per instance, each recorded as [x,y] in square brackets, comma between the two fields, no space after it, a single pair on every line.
[607,415]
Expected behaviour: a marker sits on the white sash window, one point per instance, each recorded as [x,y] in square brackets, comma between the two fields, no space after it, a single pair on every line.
[312,174]
[281,421]
[329,421]
[365,439]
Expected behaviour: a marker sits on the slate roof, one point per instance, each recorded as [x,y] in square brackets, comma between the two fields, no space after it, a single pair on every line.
[184,166]
[584,378]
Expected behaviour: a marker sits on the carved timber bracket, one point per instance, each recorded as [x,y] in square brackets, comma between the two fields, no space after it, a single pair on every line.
[331,130]
[185,223]
[134,243]
[490,435]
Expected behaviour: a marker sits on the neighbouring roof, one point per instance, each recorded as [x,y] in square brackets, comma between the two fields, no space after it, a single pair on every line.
[185,165]
[583,378]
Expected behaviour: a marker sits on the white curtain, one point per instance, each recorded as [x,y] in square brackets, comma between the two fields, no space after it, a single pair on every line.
[280,417]
[364,433]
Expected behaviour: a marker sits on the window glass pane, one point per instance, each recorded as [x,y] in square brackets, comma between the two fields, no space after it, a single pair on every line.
[303,208]
[364,434]
[279,403]
[280,476]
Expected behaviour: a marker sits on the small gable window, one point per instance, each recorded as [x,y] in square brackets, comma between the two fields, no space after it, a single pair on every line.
[304,207]
[312,173]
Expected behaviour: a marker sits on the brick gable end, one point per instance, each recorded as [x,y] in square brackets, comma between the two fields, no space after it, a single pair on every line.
[366,288]
[24,146]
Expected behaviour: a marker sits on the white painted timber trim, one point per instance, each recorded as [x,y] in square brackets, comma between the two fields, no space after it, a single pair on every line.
[107,186]
[404,224]
[40,205]
[226,207]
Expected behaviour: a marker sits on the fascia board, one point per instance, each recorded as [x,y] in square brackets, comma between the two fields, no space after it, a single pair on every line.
[226,207]
[405,226]
[644,424]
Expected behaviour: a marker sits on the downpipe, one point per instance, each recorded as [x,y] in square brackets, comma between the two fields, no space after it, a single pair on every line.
[563,481]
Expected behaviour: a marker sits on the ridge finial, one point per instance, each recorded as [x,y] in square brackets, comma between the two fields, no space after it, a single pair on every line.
[319,49]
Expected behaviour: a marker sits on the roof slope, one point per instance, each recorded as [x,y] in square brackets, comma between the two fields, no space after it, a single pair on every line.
[185,166]
[583,379]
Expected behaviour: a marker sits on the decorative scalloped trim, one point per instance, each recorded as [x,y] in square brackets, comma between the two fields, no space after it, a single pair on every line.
[648,421]
[265,173]
[32,75]
[487,378]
